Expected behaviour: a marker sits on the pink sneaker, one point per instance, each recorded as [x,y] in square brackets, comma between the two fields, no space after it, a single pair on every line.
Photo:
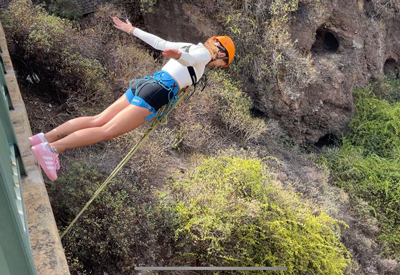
[47,160]
[37,139]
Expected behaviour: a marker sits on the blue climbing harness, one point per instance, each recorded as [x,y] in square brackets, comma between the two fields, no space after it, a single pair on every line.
[165,80]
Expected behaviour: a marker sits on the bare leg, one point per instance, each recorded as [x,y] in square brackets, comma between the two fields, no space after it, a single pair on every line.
[87,122]
[126,120]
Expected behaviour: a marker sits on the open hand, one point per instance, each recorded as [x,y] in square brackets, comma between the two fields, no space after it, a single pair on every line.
[123,26]
[176,54]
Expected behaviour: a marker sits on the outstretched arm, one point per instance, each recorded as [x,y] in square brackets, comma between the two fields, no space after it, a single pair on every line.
[151,39]
[123,26]
[170,49]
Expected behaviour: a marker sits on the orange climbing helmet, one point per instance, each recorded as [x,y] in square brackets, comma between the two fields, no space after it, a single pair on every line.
[227,43]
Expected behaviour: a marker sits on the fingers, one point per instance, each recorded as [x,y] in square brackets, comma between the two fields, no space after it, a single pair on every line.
[173,53]
[116,20]
[166,53]
[123,26]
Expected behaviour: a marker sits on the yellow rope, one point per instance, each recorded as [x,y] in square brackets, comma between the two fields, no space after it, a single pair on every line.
[168,108]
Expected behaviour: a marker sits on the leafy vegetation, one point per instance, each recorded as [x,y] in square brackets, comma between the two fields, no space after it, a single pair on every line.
[234,109]
[119,230]
[265,51]
[68,9]
[228,212]
[367,164]
[38,38]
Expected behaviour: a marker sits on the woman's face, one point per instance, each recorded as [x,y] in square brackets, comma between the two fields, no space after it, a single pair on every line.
[217,63]
[212,44]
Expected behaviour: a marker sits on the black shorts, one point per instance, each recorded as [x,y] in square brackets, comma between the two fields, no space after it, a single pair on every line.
[151,92]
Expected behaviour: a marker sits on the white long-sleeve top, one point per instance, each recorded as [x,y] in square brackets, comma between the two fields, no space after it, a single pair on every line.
[197,57]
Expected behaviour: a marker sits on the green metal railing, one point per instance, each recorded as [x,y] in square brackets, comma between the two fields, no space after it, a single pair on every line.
[15,249]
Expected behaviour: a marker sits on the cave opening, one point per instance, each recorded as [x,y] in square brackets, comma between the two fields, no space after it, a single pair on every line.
[257,113]
[328,140]
[331,44]
[325,42]
[391,67]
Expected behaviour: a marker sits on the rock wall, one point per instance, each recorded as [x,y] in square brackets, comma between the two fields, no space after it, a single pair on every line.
[177,21]
[352,43]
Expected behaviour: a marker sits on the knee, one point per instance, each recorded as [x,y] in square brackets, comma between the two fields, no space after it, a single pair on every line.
[108,134]
[98,120]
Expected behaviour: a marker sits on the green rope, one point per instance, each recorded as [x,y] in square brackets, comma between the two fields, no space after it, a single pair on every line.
[168,108]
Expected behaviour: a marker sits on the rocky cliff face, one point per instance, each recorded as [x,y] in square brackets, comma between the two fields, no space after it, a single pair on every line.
[177,21]
[351,43]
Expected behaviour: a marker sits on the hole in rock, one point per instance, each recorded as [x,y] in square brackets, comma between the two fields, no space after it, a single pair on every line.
[257,113]
[325,42]
[391,66]
[327,140]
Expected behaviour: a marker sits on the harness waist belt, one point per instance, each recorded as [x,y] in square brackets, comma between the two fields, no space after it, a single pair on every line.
[166,81]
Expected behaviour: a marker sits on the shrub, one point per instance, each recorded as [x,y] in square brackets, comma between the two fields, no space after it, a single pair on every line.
[197,121]
[193,122]
[50,47]
[229,213]
[234,108]
[119,230]
[64,8]
[265,51]
[376,127]
[129,63]
[387,88]
[367,164]
[376,180]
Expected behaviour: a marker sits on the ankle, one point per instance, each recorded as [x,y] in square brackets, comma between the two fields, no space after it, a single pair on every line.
[45,137]
[42,137]
[52,149]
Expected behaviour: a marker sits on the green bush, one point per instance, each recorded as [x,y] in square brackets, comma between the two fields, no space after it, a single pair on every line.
[388,88]
[52,48]
[229,213]
[265,51]
[118,231]
[367,164]
[376,126]
[234,109]
[64,8]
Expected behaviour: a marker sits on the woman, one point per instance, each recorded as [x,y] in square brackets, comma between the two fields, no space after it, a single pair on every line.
[140,102]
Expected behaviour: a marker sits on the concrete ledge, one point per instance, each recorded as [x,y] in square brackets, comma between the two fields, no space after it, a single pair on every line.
[47,250]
